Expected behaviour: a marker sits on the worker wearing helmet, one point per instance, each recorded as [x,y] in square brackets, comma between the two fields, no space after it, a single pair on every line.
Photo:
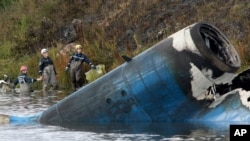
[75,65]
[47,71]
[24,81]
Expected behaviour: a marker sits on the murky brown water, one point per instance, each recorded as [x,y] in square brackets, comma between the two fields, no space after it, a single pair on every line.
[16,104]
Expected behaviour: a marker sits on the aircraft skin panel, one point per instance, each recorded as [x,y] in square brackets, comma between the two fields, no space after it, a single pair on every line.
[228,108]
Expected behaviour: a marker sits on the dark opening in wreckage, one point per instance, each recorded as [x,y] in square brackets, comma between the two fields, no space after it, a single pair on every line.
[217,45]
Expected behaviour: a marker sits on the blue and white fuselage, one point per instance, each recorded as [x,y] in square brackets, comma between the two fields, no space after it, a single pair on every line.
[165,83]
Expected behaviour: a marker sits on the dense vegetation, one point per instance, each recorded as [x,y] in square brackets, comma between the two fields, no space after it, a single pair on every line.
[110,28]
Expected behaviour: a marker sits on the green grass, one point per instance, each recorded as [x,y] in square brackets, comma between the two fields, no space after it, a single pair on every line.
[26,26]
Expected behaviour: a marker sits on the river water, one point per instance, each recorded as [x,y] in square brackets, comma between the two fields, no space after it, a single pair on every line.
[24,105]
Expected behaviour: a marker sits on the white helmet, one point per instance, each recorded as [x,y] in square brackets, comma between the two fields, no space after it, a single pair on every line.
[44,50]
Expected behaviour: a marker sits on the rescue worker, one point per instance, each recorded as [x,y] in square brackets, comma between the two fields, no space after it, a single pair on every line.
[24,81]
[47,71]
[75,65]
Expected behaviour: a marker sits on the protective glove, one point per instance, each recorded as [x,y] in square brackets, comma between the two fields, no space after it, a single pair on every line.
[66,69]
[93,67]
[40,78]
[2,82]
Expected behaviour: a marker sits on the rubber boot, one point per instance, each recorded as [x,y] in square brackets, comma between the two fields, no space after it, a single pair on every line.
[73,86]
[45,87]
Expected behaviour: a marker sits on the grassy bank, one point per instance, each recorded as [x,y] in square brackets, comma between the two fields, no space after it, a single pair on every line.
[27,26]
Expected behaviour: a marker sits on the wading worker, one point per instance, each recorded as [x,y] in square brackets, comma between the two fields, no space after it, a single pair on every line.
[47,71]
[76,67]
[24,81]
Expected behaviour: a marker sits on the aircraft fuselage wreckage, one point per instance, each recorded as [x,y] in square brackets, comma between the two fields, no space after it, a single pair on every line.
[168,82]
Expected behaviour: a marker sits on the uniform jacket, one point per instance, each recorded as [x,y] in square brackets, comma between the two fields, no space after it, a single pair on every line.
[23,78]
[79,57]
[44,62]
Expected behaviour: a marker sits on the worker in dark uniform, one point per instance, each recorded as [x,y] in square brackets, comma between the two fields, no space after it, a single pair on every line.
[24,81]
[47,71]
[75,65]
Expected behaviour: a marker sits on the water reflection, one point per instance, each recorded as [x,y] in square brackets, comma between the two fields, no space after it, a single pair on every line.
[29,104]
[115,131]
[159,131]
